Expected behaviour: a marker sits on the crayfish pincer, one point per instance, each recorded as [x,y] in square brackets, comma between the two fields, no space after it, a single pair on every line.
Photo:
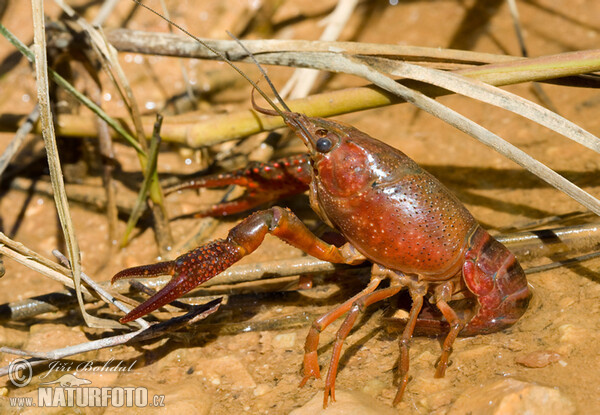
[417,235]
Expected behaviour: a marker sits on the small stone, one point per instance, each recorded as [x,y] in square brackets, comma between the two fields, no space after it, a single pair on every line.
[225,370]
[514,345]
[374,387]
[566,302]
[540,358]
[572,334]
[261,389]
[474,352]
[510,396]
[346,403]
[285,341]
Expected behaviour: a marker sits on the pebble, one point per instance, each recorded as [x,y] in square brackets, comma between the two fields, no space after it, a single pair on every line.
[285,341]
[261,389]
[540,358]
[225,370]
[512,397]
[346,403]
[475,352]
[572,334]
[374,387]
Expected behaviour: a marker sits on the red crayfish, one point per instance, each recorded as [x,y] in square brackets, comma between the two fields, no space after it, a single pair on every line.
[391,212]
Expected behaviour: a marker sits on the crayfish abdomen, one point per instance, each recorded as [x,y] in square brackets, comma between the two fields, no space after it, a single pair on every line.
[494,276]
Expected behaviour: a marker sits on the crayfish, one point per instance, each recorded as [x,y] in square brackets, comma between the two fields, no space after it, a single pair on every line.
[417,235]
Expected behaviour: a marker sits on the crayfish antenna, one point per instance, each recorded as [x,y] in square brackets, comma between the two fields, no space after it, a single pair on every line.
[264,74]
[255,106]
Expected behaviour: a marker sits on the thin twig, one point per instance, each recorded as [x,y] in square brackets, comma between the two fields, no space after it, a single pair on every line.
[36,262]
[70,350]
[20,135]
[492,95]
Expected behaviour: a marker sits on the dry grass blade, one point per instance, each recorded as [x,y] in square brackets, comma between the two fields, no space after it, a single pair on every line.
[44,357]
[38,263]
[60,196]
[149,174]
[243,123]
[489,94]
[167,44]
[492,69]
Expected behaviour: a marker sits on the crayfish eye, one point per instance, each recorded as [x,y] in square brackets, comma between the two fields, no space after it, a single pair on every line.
[324,145]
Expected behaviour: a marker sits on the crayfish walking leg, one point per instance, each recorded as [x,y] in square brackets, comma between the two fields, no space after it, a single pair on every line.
[357,307]
[311,361]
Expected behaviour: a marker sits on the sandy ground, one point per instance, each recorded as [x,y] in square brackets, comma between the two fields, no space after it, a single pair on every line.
[241,367]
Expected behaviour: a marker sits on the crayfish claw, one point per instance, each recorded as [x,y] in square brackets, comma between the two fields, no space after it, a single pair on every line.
[170,292]
[188,270]
[146,271]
